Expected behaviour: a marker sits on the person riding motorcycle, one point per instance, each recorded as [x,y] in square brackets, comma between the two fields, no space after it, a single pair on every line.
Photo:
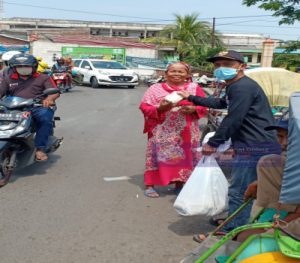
[42,66]
[61,67]
[26,83]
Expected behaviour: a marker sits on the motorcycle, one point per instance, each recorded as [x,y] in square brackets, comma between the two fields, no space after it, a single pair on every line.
[17,133]
[154,81]
[60,79]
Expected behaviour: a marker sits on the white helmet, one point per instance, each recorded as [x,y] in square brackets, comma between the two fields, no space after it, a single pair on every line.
[9,54]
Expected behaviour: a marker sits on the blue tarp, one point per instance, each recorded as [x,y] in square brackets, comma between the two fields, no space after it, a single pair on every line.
[5,48]
[290,190]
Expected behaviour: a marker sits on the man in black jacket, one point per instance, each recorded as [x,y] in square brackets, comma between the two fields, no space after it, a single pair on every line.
[249,113]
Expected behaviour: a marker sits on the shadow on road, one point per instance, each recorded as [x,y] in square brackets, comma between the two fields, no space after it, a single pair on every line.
[189,226]
[163,191]
[36,169]
[138,180]
[74,90]
[114,87]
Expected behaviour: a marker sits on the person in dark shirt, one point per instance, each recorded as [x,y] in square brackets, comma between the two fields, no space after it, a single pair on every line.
[26,83]
[249,113]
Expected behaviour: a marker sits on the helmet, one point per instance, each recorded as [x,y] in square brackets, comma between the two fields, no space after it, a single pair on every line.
[60,59]
[23,60]
[39,58]
[8,55]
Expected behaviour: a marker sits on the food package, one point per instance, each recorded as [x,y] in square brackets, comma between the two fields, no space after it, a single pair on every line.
[173,97]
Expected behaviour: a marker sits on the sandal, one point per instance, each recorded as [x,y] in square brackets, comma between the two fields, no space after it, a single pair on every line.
[201,237]
[41,156]
[216,222]
[150,192]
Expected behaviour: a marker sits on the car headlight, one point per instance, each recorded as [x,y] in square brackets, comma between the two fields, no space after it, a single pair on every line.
[104,72]
[135,75]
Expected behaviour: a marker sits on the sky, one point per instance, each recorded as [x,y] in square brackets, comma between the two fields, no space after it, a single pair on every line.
[231,16]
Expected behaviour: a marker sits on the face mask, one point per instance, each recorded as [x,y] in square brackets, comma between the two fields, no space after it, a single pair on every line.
[24,71]
[223,73]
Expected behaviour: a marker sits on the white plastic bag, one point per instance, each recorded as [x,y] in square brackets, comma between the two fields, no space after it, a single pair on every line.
[205,192]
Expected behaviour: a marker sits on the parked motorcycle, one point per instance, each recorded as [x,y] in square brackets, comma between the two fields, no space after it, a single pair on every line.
[154,81]
[17,133]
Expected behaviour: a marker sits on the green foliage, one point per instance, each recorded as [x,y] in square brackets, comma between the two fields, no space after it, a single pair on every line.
[287,61]
[292,45]
[198,57]
[289,10]
[191,38]
[188,33]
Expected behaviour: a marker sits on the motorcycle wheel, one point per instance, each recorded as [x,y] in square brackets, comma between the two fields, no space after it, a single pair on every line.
[61,87]
[5,172]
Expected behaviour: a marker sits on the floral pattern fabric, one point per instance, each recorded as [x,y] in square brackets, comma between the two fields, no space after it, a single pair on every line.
[173,137]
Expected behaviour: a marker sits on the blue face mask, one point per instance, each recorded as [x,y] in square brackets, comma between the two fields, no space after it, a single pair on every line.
[223,73]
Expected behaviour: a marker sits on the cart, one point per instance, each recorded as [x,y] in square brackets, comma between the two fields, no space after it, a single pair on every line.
[276,246]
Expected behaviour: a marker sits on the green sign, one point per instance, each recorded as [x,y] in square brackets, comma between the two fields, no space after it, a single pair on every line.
[117,54]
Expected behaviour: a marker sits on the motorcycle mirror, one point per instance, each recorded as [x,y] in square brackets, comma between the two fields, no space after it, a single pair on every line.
[51,91]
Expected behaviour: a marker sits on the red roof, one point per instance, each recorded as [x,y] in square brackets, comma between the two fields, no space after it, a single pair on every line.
[101,42]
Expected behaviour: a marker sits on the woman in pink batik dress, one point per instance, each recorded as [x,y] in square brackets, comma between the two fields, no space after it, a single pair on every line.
[173,130]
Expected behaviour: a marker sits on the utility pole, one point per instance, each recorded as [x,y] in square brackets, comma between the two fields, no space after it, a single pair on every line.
[213,33]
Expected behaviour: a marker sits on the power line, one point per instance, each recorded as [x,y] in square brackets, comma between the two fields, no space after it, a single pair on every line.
[73,10]
[246,21]
[122,16]
[244,32]
[279,27]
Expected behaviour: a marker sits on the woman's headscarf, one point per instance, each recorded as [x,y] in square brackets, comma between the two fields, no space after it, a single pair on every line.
[186,66]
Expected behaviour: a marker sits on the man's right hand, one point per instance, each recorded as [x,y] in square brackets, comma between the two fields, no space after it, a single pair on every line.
[184,94]
[251,191]
[48,103]
[165,106]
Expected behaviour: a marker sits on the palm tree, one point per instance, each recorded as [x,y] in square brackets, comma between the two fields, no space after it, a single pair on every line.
[188,34]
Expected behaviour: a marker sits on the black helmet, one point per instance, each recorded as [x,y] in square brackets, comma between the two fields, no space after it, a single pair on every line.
[23,60]
[60,60]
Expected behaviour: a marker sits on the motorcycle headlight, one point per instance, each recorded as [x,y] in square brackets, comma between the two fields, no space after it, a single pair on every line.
[21,127]
[5,134]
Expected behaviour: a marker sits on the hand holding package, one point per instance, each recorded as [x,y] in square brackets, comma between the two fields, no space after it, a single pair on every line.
[173,97]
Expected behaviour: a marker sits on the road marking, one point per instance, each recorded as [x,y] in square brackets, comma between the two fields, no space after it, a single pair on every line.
[119,178]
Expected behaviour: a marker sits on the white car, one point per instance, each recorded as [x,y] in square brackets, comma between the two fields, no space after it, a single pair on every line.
[98,72]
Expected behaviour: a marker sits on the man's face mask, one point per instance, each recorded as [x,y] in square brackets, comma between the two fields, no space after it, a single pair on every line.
[224,73]
[24,71]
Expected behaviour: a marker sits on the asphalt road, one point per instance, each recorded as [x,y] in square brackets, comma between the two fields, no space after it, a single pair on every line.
[63,211]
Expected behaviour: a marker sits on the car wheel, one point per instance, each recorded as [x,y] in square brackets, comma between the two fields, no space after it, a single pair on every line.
[94,83]
[131,87]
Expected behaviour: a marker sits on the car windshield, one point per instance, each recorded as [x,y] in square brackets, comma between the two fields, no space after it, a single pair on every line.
[108,65]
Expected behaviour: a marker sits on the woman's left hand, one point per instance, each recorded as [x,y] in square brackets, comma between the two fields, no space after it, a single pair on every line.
[188,109]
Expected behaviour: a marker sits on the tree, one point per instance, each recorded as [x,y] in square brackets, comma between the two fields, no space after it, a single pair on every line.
[198,57]
[289,10]
[192,39]
[287,61]
[188,33]
[292,45]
